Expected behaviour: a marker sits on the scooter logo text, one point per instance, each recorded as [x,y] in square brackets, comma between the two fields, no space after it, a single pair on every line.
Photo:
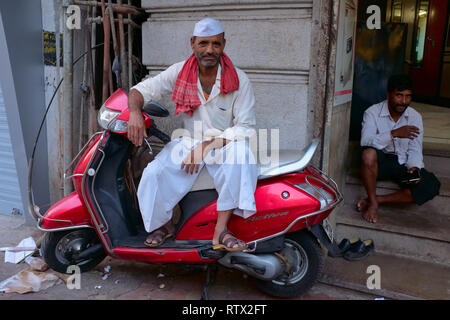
[267,216]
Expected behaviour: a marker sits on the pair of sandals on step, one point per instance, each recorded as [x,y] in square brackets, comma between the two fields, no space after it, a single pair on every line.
[231,244]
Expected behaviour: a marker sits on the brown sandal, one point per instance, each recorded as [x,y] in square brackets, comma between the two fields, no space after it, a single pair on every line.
[228,244]
[163,233]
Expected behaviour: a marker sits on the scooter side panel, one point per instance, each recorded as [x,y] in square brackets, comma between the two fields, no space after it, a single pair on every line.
[69,208]
[274,214]
[161,255]
[278,204]
[82,165]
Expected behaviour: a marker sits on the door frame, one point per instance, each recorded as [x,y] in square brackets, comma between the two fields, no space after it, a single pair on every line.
[435,100]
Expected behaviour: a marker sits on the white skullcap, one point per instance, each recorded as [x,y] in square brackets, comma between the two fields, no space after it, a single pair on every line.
[207,27]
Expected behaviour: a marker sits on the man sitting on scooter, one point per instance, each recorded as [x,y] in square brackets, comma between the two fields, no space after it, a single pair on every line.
[216,102]
[391,140]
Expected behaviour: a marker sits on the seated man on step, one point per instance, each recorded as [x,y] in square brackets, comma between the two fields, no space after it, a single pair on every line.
[216,103]
[391,142]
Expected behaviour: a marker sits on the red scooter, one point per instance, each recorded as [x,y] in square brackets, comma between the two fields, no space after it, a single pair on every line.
[293,200]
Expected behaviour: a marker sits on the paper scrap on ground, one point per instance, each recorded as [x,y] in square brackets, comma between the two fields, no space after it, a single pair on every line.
[36,264]
[16,254]
[29,281]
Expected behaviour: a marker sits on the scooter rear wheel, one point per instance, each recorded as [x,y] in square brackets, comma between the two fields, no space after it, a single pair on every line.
[305,257]
[60,249]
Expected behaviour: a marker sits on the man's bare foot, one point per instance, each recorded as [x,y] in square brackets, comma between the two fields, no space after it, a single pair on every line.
[371,214]
[362,205]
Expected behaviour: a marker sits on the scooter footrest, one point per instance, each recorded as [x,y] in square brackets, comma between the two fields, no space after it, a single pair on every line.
[210,253]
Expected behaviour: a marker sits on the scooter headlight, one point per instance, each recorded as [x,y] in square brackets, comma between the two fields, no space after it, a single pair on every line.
[107,119]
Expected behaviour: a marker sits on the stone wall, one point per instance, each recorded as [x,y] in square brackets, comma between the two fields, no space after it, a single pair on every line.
[270,40]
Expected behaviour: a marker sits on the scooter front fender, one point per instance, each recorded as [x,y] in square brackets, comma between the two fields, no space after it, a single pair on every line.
[68,213]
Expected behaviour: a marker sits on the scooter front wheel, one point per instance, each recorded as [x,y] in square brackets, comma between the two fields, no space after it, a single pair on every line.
[62,249]
[304,257]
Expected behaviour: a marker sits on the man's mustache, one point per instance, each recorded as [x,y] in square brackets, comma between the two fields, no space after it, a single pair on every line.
[208,55]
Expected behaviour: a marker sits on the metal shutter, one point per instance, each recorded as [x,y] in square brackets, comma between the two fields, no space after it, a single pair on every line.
[10,197]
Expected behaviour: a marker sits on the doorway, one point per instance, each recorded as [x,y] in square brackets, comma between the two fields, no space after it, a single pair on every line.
[429,57]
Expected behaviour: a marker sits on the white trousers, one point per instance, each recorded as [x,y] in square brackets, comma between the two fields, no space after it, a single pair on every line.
[163,183]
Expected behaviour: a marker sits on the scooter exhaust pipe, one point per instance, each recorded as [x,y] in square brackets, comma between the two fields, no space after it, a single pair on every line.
[91,252]
[262,266]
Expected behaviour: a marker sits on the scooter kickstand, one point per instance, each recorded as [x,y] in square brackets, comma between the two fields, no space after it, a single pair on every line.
[211,274]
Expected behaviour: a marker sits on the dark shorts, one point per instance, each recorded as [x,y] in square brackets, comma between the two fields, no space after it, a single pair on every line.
[390,169]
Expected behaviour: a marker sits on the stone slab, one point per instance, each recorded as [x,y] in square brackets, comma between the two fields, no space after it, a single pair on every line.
[401,278]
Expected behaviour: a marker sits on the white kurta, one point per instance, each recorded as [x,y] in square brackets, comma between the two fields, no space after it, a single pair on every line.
[164,184]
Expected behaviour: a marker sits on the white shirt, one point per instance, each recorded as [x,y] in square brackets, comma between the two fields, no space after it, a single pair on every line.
[229,116]
[376,132]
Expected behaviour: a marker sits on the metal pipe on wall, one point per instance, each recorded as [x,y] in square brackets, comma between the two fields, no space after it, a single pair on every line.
[123,55]
[68,95]
[92,108]
[116,62]
[84,92]
[107,77]
[130,50]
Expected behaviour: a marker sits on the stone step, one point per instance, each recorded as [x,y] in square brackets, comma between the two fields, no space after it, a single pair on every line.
[437,149]
[432,226]
[400,278]
[354,177]
[436,161]
[438,164]
[354,191]
[400,232]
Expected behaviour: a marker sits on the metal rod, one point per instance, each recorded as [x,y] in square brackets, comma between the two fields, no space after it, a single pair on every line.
[126,9]
[98,20]
[92,122]
[107,77]
[113,28]
[58,189]
[114,37]
[123,54]
[130,49]
[84,91]
[68,94]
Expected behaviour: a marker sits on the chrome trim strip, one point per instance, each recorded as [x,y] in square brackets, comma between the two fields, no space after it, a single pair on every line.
[294,222]
[40,217]
[64,228]
[95,198]
[79,154]
[293,166]
[32,206]
[93,218]
[73,175]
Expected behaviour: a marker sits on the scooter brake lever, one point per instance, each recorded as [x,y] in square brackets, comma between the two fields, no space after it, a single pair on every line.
[150,148]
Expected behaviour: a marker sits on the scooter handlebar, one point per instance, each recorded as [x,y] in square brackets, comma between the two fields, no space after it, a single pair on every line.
[153,130]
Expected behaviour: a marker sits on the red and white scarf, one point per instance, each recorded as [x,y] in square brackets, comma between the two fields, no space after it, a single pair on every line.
[185,92]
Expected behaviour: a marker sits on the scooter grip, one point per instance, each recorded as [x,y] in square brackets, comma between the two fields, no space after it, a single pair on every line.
[153,130]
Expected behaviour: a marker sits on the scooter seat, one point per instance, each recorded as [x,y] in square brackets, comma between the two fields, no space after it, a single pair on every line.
[286,157]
